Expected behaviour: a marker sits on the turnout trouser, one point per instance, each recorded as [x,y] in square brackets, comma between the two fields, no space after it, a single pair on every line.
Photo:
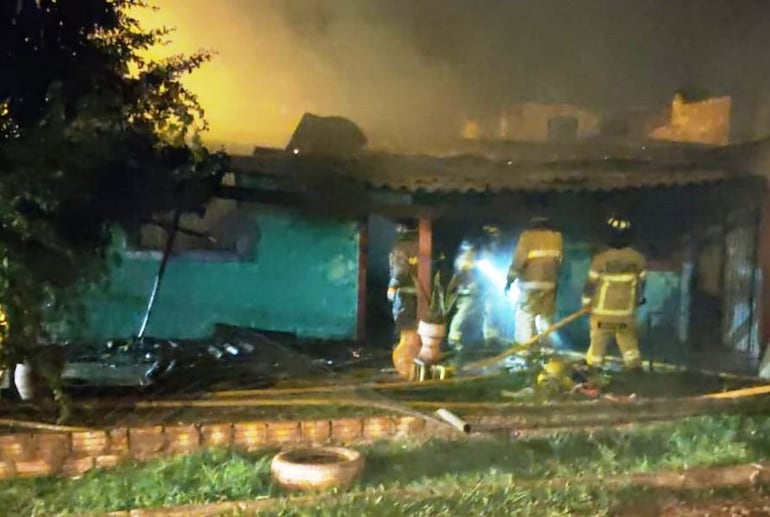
[534,313]
[624,332]
[467,321]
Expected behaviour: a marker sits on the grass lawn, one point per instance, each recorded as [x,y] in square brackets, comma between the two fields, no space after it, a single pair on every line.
[482,476]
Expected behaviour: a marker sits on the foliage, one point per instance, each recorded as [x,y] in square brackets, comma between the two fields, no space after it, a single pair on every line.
[442,299]
[92,133]
[484,476]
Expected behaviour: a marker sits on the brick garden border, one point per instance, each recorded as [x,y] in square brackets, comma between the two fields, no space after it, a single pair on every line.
[74,453]
[30,454]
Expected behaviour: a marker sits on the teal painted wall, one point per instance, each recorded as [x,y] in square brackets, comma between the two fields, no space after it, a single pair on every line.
[303,279]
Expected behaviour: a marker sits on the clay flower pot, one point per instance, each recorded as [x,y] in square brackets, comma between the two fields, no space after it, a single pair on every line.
[431,334]
[317,468]
[407,349]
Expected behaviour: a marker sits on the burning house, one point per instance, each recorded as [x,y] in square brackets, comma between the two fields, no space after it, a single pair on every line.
[297,242]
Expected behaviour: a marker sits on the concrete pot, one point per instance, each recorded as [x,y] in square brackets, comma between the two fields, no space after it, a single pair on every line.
[317,468]
[431,334]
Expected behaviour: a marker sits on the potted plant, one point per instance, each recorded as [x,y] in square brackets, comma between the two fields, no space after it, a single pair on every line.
[432,328]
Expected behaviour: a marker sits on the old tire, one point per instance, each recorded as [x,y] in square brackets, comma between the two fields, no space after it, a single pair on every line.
[317,468]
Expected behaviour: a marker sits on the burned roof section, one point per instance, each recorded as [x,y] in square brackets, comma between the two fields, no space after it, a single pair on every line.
[492,167]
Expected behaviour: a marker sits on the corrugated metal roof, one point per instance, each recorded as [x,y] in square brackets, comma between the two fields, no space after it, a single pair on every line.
[472,175]
[500,168]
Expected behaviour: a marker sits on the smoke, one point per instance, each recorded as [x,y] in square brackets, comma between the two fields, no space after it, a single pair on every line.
[409,71]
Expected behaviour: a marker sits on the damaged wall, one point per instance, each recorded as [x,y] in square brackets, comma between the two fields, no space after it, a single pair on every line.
[534,122]
[704,122]
[301,278]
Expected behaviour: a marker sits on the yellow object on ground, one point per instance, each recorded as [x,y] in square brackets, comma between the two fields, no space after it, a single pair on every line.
[557,373]
[744,392]
[341,387]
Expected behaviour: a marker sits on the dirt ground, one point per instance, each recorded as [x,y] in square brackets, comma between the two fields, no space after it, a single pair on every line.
[114,407]
[744,504]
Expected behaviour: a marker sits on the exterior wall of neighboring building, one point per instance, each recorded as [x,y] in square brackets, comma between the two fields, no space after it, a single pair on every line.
[529,122]
[704,122]
[300,276]
[533,122]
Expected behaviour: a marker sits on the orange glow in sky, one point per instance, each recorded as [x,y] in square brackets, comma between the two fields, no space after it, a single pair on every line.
[250,95]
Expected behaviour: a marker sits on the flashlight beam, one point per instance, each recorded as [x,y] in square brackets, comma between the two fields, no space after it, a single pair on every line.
[498,278]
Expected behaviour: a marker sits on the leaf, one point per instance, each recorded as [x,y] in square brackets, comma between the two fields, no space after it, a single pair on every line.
[93,133]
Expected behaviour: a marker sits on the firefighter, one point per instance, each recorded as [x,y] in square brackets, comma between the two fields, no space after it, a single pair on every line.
[535,268]
[402,290]
[470,305]
[614,290]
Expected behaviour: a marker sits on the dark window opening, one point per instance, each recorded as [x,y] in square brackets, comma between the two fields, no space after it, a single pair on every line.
[226,231]
[562,128]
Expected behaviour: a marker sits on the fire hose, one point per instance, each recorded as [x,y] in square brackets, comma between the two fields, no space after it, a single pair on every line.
[522,347]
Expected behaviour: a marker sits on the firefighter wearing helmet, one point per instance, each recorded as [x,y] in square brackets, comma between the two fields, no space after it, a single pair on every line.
[465,325]
[535,268]
[402,290]
[614,291]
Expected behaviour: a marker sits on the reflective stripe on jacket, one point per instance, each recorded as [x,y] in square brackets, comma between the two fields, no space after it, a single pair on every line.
[615,283]
[538,257]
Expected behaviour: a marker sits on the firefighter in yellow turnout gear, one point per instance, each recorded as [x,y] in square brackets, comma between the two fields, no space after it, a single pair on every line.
[535,268]
[402,293]
[467,321]
[614,291]
[402,290]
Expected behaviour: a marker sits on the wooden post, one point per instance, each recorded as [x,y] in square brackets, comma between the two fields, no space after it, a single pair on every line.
[363,266]
[424,273]
[763,267]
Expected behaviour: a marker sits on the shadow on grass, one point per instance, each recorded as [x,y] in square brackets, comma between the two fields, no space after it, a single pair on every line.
[713,441]
[671,384]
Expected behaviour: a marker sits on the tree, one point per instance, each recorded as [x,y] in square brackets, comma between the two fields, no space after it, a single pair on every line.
[92,134]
